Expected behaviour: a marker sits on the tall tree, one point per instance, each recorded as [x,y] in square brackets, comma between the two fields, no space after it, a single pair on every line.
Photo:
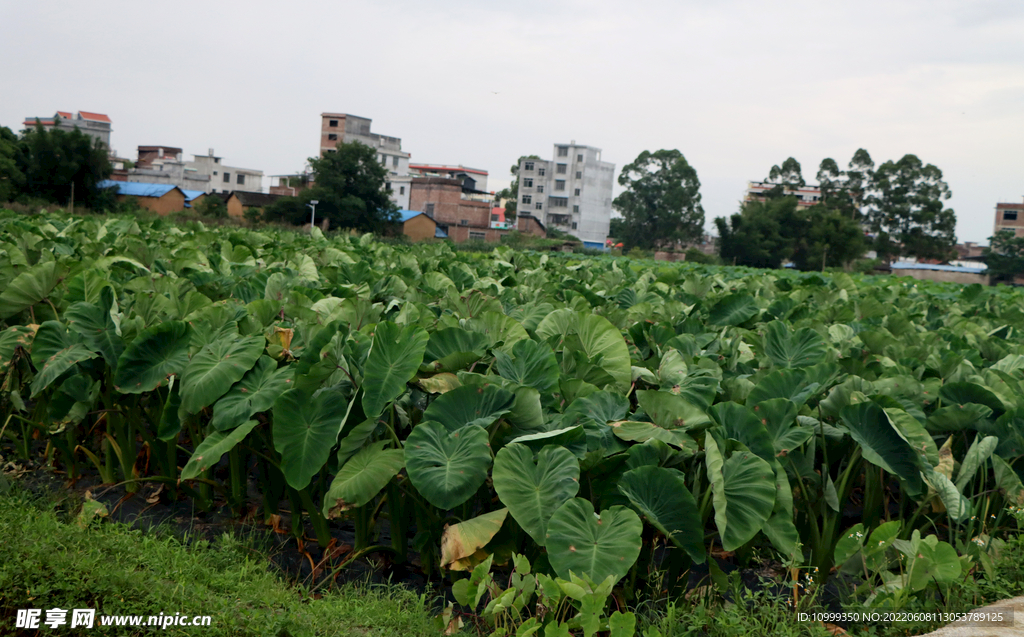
[57,163]
[349,190]
[858,180]
[825,237]
[830,181]
[661,205]
[906,211]
[1005,256]
[758,235]
[787,177]
[11,178]
[511,194]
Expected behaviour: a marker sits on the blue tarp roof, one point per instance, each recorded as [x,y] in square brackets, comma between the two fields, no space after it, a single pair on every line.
[944,268]
[133,189]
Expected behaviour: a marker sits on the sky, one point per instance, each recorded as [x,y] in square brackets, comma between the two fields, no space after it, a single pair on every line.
[736,85]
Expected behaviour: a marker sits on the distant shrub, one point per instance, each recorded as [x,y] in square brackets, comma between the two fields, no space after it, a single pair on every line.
[696,256]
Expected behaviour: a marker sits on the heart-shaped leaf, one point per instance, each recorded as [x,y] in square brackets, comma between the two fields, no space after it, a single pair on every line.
[801,348]
[213,447]
[881,444]
[394,358]
[362,478]
[97,327]
[216,367]
[532,364]
[256,392]
[470,405]
[28,288]
[447,466]
[305,429]
[154,355]
[743,490]
[671,411]
[661,496]
[451,349]
[598,546]
[534,488]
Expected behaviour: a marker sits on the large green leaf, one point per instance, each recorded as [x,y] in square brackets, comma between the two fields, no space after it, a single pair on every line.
[445,465]
[801,348]
[980,451]
[661,496]
[470,405]
[599,341]
[451,349]
[881,444]
[28,288]
[733,309]
[533,488]
[154,355]
[741,424]
[961,393]
[782,383]
[55,351]
[743,491]
[213,447]
[11,339]
[636,431]
[256,392]
[532,364]
[216,367]
[97,326]
[305,429]
[603,407]
[779,417]
[671,411]
[598,546]
[362,478]
[394,358]
[461,541]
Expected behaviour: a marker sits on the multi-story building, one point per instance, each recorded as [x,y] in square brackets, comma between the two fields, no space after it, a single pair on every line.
[466,214]
[572,192]
[805,197]
[338,128]
[1010,216]
[473,178]
[226,178]
[95,125]
[165,165]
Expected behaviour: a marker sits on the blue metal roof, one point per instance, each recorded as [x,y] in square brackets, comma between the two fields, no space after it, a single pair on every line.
[440,234]
[192,194]
[944,268]
[133,189]
[408,214]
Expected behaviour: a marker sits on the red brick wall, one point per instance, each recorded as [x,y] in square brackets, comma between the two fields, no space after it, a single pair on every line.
[449,206]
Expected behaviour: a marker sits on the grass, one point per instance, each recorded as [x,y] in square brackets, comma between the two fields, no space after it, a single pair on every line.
[47,560]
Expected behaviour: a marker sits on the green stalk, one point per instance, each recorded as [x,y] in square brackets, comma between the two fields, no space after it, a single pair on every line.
[396,515]
[362,517]
[323,532]
[293,497]
[236,465]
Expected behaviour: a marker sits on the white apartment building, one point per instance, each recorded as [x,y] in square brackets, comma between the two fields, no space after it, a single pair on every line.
[226,178]
[572,192]
[338,128]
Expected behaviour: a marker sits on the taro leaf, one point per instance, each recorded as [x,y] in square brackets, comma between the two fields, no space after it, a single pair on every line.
[787,349]
[938,563]
[598,339]
[502,332]
[602,407]
[740,423]
[447,466]
[914,432]
[980,451]
[1007,481]
[782,383]
[964,392]
[661,496]
[953,501]
[527,413]
[354,438]
[470,405]
[439,383]
[28,288]
[958,417]
[532,364]
[362,478]
[743,490]
[779,527]
[573,438]
[218,366]
[733,310]
[779,416]
[305,429]
[881,444]
[154,355]
[170,418]
[97,327]
[671,411]
[213,447]
[634,431]
[578,541]
[53,363]
[256,392]
[451,349]
[394,357]
[11,339]
[461,541]
[533,489]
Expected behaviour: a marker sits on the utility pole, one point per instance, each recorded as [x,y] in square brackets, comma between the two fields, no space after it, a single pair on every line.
[824,254]
[312,221]
[72,204]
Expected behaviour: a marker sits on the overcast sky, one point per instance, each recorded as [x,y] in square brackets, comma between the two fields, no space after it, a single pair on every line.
[737,86]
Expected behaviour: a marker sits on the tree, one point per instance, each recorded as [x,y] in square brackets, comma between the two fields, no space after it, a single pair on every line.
[11,178]
[906,211]
[511,194]
[616,227]
[57,163]
[213,206]
[858,179]
[757,235]
[786,178]
[1005,256]
[825,236]
[349,190]
[661,205]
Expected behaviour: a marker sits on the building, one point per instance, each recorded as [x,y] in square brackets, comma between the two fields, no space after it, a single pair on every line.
[289,185]
[338,128]
[805,197]
[572,192]
[226,178]
[240,201]
[162,199]
[465,214]
[95,125]
[418,226]
[473,178]
[1010,216]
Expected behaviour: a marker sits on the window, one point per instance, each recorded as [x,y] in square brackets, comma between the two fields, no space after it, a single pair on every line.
[394,161]
[429,210]
[579,174]
[333,123]
[1010,215]
[559,220]
[227,178]
[528,165]
[333,137]
[577,192]
[387,185]
[540,188]
[540,171]
[478,236]
[559,184]
[240,179]
[563,151]
[383,159]
[527,199]
[401,190]
[215,173]
[495,218]
[463,222]
[573,225]
[576,209]
[559,202]
[539,206]
[527,183]
[579,158]
[332,150]
[560,169]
